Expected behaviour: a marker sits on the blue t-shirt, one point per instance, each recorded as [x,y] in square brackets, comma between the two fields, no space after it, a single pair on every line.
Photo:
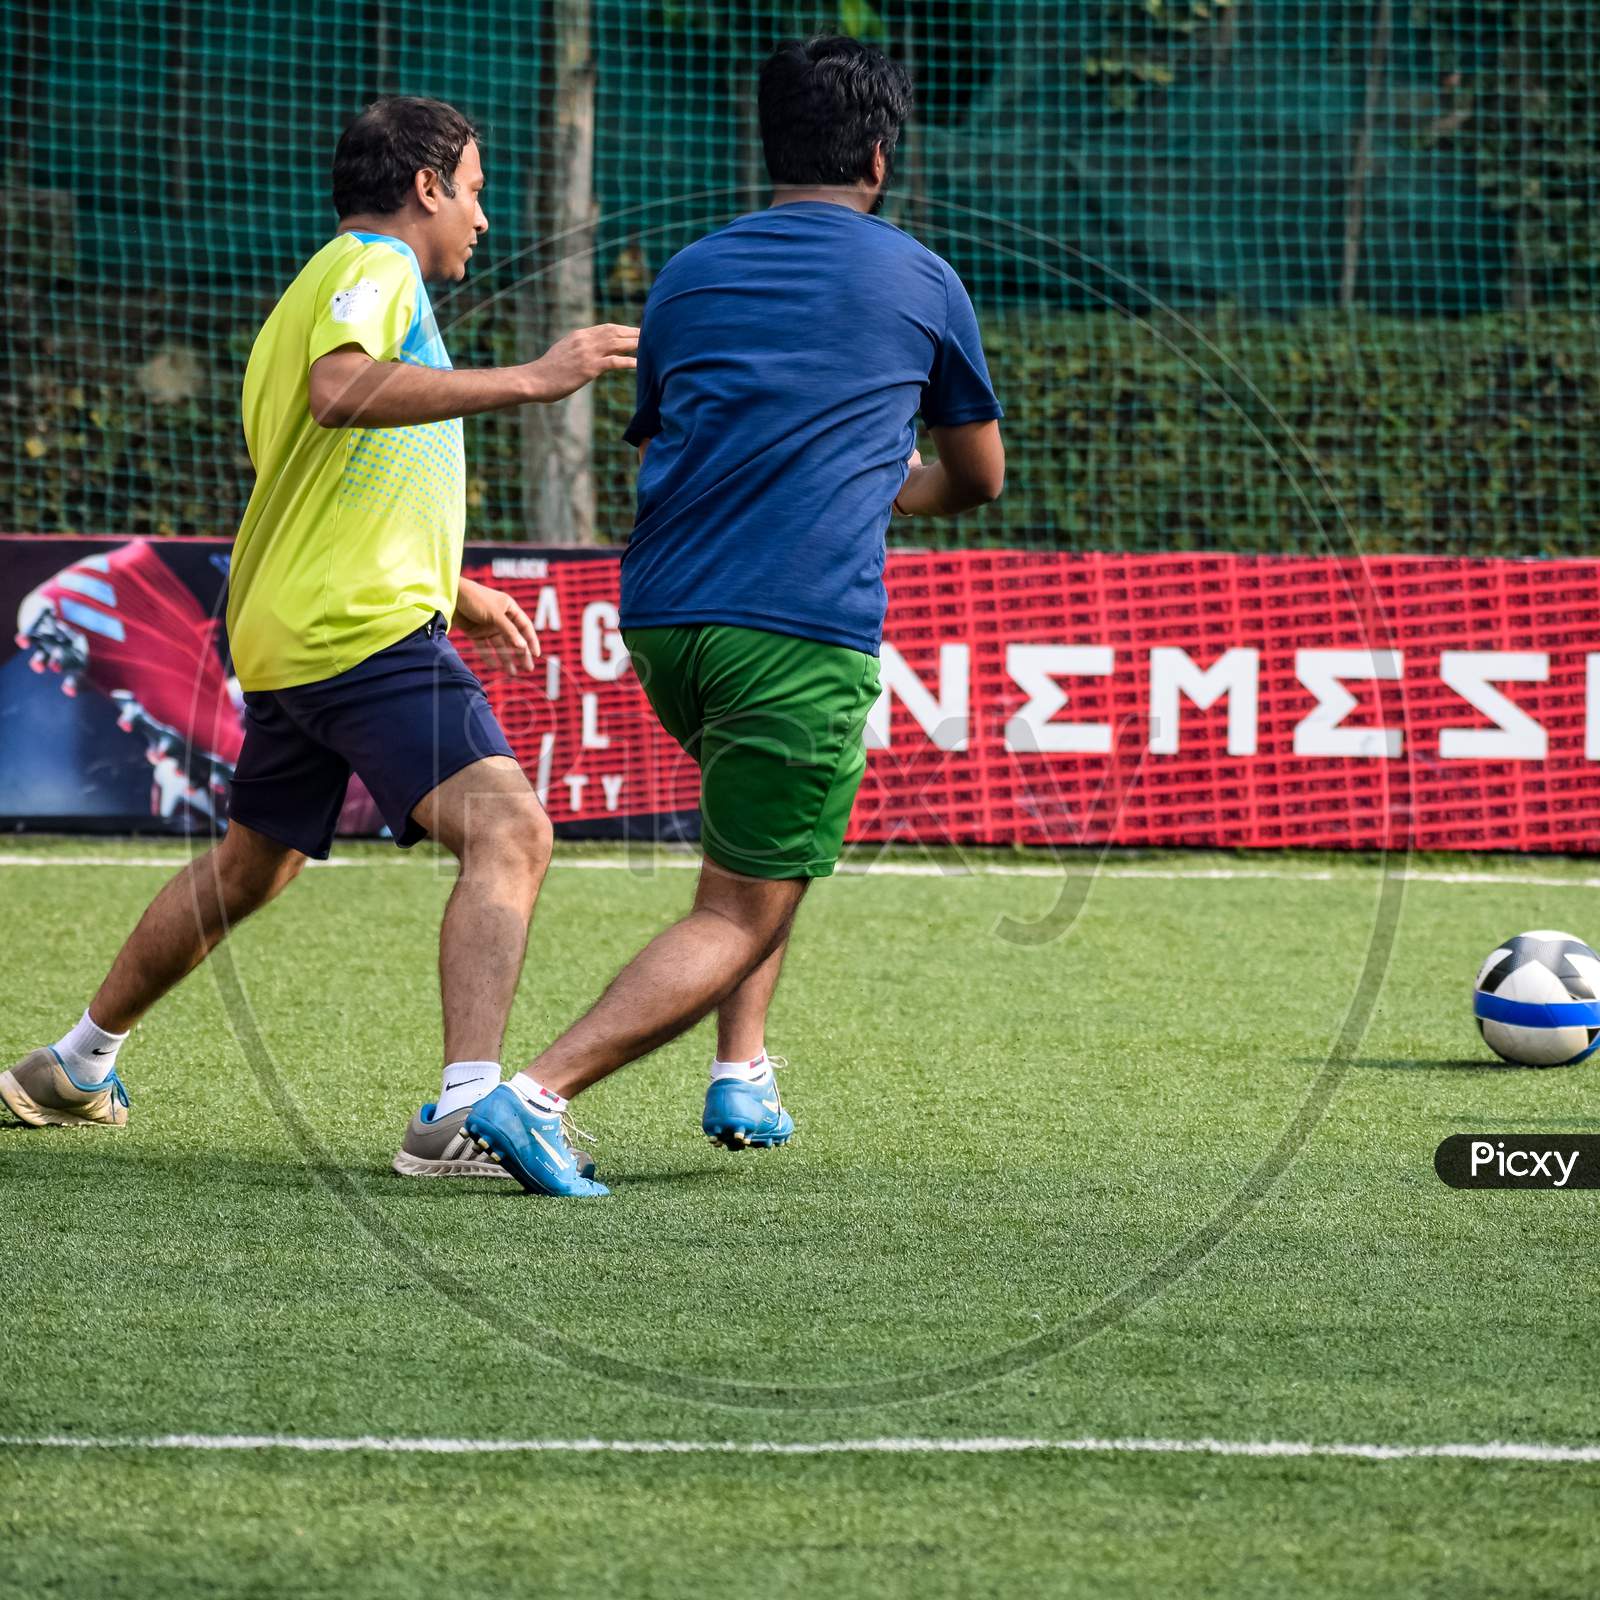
[781,360]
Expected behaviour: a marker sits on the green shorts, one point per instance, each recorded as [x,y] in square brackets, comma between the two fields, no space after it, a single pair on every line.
[775,724]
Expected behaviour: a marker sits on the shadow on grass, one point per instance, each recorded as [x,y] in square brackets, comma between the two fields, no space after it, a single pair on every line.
[91,1157]
[1401,1064]
[685,1175]
[47,1155]
[385,1184]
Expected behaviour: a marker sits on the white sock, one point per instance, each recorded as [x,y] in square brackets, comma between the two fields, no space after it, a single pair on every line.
[535,1095]
[745,1071]
[88,1052]
[465,1083]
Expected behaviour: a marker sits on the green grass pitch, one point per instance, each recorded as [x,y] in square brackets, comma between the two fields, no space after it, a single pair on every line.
[998,1137]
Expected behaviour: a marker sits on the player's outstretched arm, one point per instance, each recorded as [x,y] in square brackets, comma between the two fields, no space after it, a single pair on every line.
[348,389]
[970,471]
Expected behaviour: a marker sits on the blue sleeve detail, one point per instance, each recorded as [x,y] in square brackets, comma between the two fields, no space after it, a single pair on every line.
[958,388]
[422,344]
[399,246]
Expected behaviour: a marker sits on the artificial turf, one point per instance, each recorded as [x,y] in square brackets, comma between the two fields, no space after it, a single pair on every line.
[1027,1198]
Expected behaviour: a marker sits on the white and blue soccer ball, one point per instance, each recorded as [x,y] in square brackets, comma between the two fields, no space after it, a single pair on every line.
[1537,1000]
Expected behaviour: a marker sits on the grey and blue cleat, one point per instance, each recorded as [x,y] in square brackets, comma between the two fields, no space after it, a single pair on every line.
[531,1145]
[438,1147]
[40,1091]
[740,1115]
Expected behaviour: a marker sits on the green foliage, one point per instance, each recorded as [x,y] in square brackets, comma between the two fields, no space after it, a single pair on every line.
[1520,80]
[1432,436]
[123,416]
[1143,44]
[1198,151]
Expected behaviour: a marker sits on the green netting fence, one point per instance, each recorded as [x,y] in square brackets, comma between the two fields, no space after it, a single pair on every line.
[1253,275]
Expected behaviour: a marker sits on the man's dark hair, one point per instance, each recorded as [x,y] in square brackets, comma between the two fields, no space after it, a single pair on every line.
[383,150]
[825,103]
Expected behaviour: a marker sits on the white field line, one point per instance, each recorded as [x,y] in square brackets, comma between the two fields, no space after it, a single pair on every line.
[921,869]
[1271,1449]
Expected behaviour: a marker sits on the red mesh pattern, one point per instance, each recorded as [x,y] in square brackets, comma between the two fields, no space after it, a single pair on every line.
[637,770]
[990,603]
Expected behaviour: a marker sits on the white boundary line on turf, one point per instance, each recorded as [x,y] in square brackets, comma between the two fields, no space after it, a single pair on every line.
[923,869]
[1271,1449]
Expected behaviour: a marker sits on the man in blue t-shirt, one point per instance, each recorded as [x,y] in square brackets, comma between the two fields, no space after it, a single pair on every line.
[781,362]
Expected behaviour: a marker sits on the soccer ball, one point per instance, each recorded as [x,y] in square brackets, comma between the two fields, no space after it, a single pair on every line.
[1537,1000]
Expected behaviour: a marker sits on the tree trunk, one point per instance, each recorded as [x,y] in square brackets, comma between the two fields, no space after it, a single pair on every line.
[1224,39]
[1355,196]
[557,440]
[903,206]
[378,49]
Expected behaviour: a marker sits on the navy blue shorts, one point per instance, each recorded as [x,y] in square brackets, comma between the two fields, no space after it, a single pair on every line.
[405,719]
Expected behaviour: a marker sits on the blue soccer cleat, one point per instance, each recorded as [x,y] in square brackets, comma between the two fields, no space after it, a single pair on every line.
[529,1144]
[742,1115]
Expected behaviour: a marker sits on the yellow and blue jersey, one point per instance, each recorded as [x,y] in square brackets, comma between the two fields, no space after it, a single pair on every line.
[352,537]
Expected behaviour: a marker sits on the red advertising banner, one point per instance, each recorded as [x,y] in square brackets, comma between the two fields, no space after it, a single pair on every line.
[1034,698]
[1153,700]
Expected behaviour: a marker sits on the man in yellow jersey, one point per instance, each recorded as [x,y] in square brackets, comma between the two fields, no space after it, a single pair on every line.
[346,576]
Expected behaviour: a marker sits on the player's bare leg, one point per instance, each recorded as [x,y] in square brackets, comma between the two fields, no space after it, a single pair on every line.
[489,818]
[74,1082]
[742,1017]
[191,915]
[680,976]
[736,925]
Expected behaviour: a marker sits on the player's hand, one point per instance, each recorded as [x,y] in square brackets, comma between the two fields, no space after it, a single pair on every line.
[499,627]
[581,357]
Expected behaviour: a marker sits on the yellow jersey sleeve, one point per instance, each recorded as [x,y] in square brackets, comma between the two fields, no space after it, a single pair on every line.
[369,298]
